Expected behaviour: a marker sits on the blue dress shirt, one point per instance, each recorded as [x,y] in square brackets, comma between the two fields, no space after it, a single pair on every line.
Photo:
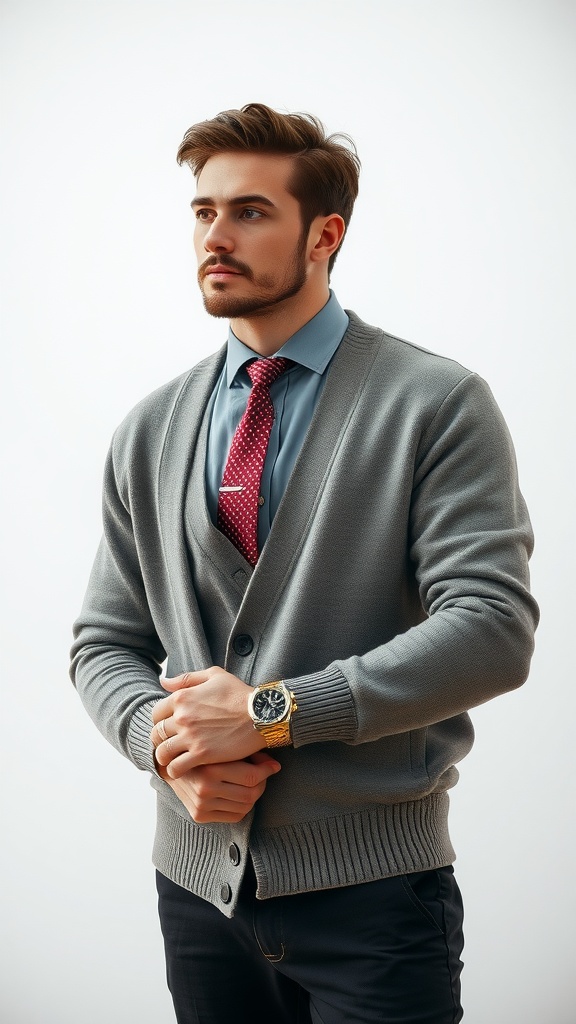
[294,396]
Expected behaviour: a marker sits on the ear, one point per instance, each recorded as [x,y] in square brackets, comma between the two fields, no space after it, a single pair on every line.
[325,236]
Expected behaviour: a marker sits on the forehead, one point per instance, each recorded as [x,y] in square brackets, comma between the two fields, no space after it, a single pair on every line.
[227,175]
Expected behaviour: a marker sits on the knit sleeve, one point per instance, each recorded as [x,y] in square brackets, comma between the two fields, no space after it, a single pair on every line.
[116,653]
[468,543]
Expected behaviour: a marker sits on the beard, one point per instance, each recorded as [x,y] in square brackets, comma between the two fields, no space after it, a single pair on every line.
[270,292]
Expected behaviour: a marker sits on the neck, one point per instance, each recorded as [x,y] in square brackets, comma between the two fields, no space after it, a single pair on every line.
[267,330]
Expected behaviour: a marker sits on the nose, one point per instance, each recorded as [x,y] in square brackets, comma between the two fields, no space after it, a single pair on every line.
[217,238]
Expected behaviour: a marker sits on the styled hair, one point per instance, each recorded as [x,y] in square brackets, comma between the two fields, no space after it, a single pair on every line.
[326,168]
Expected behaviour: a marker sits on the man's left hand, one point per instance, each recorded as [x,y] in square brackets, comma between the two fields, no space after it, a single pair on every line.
[205,720]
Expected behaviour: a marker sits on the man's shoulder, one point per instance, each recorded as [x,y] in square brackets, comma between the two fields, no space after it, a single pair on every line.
[392,346]
[395,358]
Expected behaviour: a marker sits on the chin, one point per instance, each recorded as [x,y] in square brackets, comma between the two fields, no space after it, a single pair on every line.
[232,307]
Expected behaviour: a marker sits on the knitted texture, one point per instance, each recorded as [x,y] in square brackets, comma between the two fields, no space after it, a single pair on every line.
[239,496]
[391,594]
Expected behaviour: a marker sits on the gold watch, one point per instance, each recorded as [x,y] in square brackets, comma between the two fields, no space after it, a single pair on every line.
[271,706]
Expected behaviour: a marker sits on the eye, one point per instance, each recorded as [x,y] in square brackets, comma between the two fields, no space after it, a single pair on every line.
[204,215]
[250,214]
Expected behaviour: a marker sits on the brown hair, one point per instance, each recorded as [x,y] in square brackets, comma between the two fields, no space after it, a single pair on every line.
[325,178]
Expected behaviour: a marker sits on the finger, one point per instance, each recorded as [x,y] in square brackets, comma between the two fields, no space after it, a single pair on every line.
[251,773]
[216,808]
[205,817]
[236,773]
[185,680]
[158,734]
[215,775]
[207,798]
[176,766]
[161,732]
[162,709]
[225,796]
[263,757]
[168,752]
[212,798]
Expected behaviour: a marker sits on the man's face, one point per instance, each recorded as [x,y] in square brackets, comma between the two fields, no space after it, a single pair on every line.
[249,241]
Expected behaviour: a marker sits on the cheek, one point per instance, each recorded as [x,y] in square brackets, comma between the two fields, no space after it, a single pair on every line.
[272,253]
[199,249]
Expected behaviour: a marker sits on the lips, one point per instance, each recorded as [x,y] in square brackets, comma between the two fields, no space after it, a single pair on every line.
[220,270]
[218,273]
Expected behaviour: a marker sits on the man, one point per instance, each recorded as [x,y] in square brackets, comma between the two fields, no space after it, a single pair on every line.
[325,519]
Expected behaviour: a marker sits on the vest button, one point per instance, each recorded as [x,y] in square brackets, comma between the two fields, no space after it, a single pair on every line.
[234,854]
[243,644]
[225,892]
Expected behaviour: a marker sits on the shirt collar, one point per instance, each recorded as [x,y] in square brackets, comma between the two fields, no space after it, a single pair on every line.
[312,346]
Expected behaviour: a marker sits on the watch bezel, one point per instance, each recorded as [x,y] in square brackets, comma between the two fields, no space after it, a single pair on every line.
[259,723]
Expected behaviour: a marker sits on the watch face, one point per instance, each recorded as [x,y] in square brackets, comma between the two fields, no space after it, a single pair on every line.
[269,705]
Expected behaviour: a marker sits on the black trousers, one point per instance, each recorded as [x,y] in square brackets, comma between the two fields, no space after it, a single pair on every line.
[386,952]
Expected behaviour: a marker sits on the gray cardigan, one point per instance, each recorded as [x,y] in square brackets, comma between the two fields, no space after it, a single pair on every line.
[392,595]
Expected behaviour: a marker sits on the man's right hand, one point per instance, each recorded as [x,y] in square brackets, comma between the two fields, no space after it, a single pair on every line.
[223,792]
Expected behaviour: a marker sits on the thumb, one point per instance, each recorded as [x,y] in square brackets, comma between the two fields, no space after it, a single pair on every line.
[262,757]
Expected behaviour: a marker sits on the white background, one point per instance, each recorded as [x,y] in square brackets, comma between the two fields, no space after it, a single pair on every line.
[463,113]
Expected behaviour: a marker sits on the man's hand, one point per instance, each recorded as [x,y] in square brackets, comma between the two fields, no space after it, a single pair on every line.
[223,792]
[204,721]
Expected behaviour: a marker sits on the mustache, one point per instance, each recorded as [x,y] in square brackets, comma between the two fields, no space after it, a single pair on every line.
[224,261]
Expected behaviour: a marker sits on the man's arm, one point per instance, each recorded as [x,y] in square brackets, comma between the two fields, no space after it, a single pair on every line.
[117,657]
[468,541]
[117,654]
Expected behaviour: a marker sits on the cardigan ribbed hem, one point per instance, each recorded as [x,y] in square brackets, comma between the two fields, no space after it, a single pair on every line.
[347,849]
[392,839]
[198,857]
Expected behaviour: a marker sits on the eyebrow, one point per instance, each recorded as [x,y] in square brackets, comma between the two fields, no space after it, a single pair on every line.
[235,201]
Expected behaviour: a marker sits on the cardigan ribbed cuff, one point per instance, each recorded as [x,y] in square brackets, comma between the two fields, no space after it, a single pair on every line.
[140,747]
[326,709]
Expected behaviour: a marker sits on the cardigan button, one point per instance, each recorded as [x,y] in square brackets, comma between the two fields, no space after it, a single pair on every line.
[243,644]
[234,854]
[225,892]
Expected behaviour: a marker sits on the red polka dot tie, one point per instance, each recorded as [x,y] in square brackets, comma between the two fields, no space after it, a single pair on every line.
[238,500]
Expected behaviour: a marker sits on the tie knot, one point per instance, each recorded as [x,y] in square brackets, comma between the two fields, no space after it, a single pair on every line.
[265,371]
